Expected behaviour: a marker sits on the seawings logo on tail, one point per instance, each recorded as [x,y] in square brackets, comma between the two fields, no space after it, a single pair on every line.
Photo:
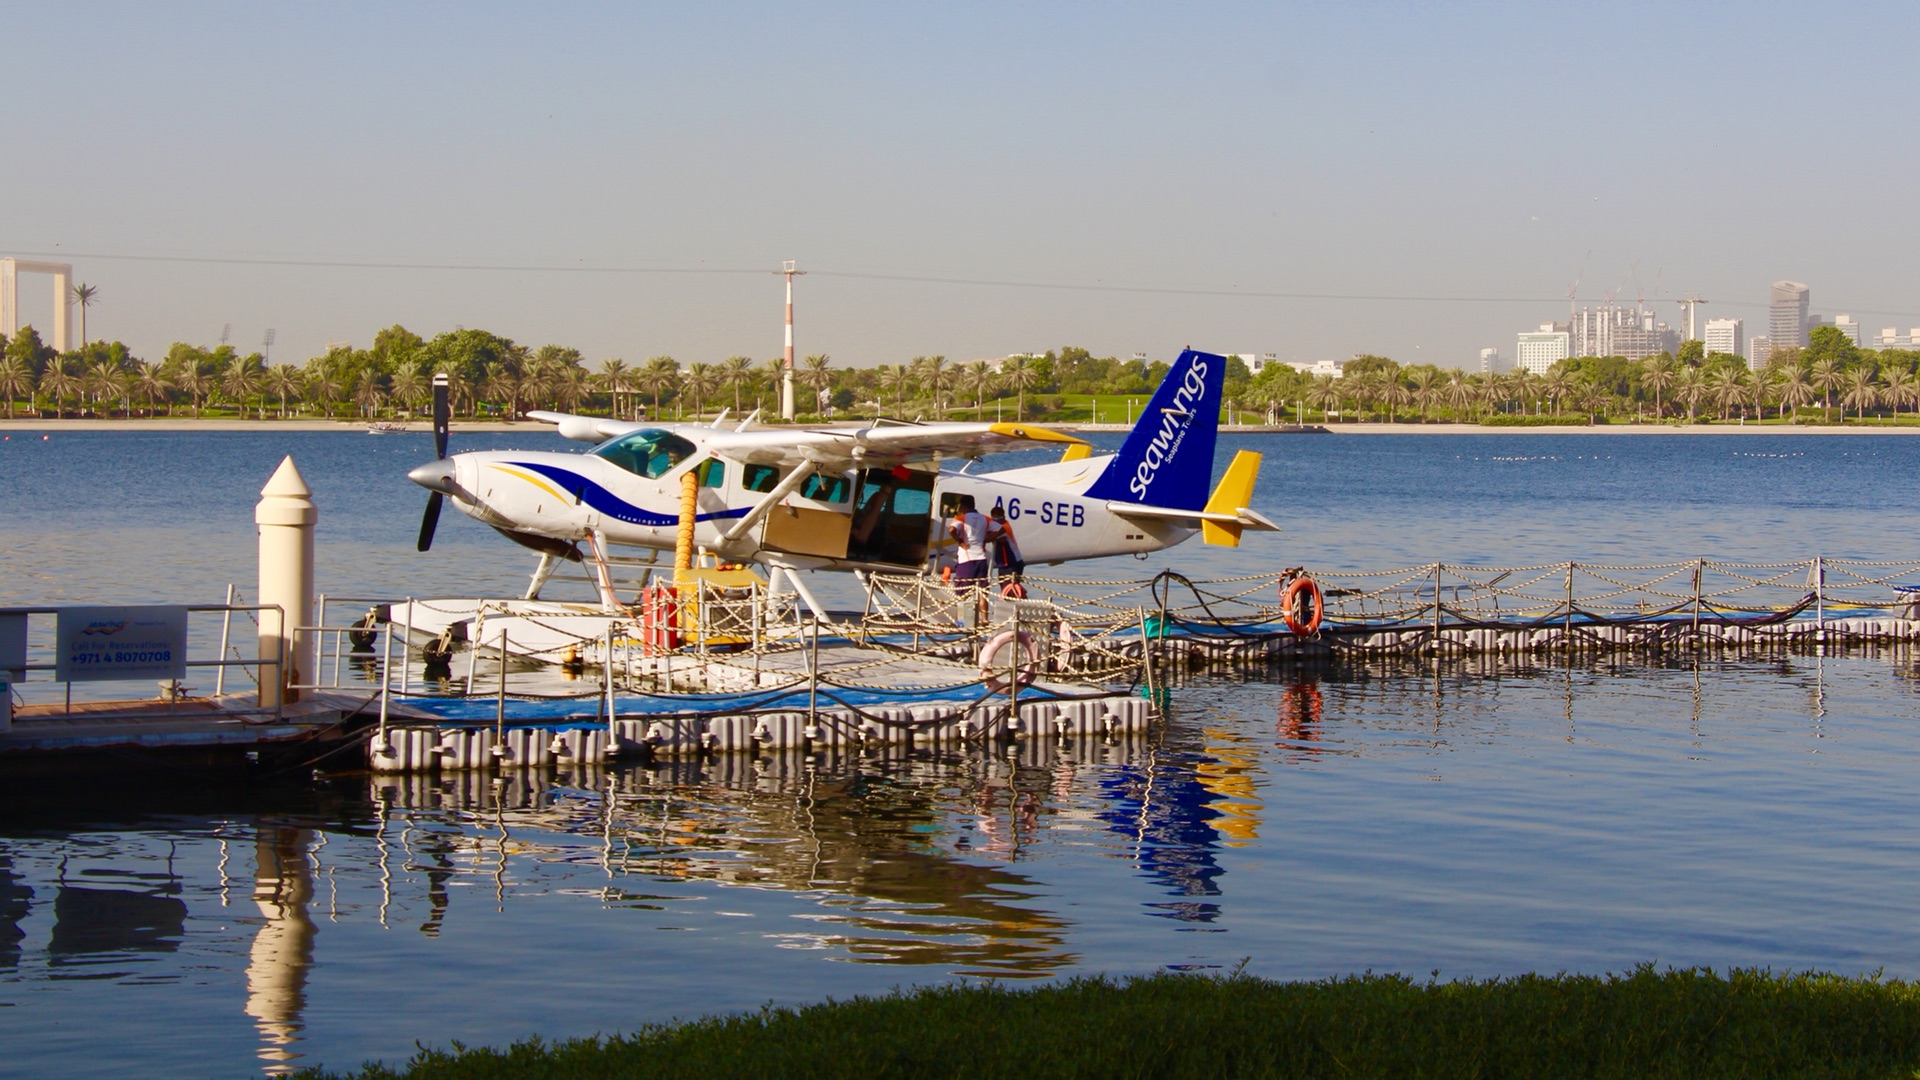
[1167,459]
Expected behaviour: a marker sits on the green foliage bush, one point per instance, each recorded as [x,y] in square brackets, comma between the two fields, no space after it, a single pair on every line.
[1684,1023]
[1526,420]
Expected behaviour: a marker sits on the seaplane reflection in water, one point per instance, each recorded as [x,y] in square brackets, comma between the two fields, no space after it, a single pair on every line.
[863,499]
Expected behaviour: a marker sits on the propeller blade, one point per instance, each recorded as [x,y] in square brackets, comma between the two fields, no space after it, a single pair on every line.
[430,520]
[441,415]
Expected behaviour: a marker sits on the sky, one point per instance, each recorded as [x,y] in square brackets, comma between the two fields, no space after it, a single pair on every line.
[1417,181]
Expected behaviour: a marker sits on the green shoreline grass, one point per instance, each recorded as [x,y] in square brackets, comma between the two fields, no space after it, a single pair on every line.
[1645,1023]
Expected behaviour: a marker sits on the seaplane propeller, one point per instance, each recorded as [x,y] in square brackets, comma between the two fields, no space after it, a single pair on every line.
[437,475]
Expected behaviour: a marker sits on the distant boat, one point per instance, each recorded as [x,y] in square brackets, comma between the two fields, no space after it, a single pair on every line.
[385,427]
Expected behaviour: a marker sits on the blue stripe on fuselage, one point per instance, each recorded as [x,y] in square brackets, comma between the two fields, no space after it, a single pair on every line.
[613,505]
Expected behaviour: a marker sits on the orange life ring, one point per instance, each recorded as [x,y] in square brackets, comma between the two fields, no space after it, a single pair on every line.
[994,673]
[1013,590]
[1289,601]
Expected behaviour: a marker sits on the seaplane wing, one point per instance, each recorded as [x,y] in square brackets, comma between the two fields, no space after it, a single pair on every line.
[885,444]
[882,445]
[587,428]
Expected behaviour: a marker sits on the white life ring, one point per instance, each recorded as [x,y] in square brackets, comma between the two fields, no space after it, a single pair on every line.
[993,668]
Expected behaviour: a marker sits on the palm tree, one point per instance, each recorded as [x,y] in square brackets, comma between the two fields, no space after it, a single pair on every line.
[897,378]
[979,377]
[1898,388]
[368,393]
[1727,387]
[1392,394]
[242,380]
[1325,394]
[934,370]
[322,386]
[1826,374]
[613,378]
[1862,393]
[699,381]
[498,383]
[16,378]
[59,381]
[1019,373]
[1426,383]
[285,379]
[661,373]
[105,380]
[1656,374]
[1689,386]
[83,295]
[408,386]
[1555,385]
[735,370]
[1459,393]
[819,376]
[775,371]
[1795,388]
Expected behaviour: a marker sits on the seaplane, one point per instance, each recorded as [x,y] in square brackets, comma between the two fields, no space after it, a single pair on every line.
[871,498]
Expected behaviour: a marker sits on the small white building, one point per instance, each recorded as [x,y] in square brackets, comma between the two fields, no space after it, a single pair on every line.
[1725,336]
[1538,350]
[1335,368]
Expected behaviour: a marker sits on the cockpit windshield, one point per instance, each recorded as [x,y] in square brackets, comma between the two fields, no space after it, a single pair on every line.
[649,452]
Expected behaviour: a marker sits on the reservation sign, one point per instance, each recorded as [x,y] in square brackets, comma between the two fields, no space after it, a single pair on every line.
[121,642]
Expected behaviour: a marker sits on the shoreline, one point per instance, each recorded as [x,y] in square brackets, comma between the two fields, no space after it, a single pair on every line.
[188,424]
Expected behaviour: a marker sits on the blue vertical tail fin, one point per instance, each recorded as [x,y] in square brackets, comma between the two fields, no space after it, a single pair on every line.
[1167,459]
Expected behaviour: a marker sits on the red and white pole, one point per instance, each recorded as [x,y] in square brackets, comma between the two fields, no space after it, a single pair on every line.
[786,368]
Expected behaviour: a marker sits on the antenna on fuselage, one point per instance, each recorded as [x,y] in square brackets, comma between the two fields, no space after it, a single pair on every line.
[724,410]
[748,422]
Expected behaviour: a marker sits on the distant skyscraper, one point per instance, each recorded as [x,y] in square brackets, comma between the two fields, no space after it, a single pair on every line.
[1759,350]
[1846,325]
[1787,317]
[1539,350]
[1725,336]
[1490,362]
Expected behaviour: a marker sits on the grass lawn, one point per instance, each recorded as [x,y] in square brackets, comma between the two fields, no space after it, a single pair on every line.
[1645,1023]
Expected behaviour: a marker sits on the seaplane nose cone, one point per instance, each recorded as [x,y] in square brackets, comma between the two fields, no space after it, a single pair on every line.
[435,476]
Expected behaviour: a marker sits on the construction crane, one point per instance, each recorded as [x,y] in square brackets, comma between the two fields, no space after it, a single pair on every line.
[1689,301]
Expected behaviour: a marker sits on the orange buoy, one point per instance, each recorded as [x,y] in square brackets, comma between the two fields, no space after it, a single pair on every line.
[1296,596]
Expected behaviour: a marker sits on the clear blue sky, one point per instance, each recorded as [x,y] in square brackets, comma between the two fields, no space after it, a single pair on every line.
[1119,176]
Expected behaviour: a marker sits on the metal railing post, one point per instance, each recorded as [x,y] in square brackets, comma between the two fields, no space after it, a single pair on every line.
[226,630]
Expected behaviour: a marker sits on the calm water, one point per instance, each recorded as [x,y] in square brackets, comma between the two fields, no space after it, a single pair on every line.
[1474,820]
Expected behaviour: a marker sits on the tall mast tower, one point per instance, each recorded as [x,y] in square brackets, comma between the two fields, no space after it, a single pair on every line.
[786,368]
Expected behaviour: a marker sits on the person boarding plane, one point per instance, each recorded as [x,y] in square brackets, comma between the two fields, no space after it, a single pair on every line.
[868,498]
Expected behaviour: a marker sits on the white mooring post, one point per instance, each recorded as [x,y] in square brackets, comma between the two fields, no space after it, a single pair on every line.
[286,516]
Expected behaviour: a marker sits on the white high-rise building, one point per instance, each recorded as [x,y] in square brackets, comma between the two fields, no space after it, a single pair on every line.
[1846,325]
[1759,351]
[1490,363]
[1725,336]
[1540,349]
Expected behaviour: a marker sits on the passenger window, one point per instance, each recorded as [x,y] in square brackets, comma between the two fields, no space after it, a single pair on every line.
[761,478]
[825,487]
[713,473]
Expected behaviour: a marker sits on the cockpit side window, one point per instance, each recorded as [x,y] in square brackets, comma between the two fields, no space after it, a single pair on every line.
[713,473]
[649,452]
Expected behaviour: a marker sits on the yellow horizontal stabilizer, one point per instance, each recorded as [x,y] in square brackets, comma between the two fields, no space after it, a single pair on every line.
[1235,491]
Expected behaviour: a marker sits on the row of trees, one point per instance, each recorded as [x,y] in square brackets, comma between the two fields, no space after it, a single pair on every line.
[492,375]
[1830,372]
